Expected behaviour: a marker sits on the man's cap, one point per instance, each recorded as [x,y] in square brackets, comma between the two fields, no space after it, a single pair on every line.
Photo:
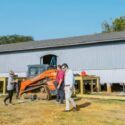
[11,72]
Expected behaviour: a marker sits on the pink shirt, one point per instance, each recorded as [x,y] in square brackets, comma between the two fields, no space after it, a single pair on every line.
[60,75]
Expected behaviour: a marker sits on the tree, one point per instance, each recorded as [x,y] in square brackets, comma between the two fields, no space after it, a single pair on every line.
[116,25]
[14,39]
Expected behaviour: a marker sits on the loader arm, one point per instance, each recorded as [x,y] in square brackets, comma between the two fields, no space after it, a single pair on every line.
[51,74]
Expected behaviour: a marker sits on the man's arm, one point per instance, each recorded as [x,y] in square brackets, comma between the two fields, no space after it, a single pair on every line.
[14,81]
[71,79]
[59,84]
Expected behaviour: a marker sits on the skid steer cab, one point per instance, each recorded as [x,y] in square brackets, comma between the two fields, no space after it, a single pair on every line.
[40,82]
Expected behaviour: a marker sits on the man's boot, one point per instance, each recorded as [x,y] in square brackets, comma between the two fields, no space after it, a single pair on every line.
[75,109]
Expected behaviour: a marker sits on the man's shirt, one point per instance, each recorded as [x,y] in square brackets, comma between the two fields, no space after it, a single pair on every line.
[69,78]
[10,85]
[60,75]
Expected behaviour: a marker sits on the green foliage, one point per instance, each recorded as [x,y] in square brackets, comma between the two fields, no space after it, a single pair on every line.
[116,25]
[14,39]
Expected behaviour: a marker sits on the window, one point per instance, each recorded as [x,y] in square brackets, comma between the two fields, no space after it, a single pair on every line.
[49,60]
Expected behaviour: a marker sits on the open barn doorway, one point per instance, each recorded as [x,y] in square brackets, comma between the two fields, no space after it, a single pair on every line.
[49,60]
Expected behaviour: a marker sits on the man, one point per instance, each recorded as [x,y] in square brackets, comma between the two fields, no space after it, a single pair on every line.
[10,87]
[60,84]
[69,87]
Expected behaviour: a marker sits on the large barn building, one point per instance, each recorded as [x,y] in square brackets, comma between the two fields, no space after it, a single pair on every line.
[100,54]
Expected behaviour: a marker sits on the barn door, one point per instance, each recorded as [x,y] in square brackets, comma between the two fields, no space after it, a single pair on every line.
[49,60]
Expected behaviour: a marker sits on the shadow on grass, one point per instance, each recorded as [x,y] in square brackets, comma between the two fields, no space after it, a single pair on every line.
[84,105]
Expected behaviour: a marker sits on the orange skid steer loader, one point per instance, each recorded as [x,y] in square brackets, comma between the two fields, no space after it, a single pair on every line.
[41,86]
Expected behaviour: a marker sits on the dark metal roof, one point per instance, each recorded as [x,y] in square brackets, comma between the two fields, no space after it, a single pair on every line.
[63,42]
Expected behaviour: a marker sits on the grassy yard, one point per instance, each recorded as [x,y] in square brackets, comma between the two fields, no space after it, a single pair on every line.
[92,112]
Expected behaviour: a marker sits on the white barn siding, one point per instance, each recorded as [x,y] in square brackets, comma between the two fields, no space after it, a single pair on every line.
[106,61]
[104,57]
